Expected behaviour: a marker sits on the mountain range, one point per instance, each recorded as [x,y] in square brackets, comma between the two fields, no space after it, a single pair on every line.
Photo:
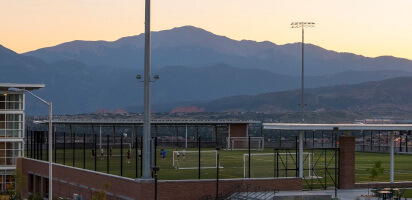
[386,95]
[194,65]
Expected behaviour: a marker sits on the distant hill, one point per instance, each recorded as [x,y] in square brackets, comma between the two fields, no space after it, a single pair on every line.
[391,94]
[194,47]
[76,87]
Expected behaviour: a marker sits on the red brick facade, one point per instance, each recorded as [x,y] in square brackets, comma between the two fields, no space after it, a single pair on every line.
[69,180]
[346,162]
[238,130]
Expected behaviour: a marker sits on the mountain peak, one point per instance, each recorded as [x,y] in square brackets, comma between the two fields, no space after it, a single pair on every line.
[6,51]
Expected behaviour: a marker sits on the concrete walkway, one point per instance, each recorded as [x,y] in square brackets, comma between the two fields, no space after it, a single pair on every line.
[342,194]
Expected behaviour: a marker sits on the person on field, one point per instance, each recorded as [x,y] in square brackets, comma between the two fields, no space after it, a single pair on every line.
[163,154]
[93,154]
[129,155]
[177,155]
[110,151]
[184,154]
[101,154]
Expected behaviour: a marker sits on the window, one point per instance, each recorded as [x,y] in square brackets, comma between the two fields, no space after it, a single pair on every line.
[9,151]
[11,125]
[6,177]
[31,183]
[11,102]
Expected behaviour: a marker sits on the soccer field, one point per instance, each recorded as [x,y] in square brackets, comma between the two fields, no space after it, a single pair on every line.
[232,164]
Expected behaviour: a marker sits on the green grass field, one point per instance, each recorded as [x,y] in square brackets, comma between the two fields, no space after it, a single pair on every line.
[233,165]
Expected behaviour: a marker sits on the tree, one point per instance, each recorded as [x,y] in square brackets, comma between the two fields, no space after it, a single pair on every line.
[20,181]
[375,171]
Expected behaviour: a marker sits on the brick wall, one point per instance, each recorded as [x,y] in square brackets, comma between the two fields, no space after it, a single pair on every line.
[346,162]
[238,130]
[68,180]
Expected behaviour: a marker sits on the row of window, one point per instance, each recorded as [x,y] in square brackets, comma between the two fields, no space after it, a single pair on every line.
[6,180]
[9,151]
[11,125]
[11,97]
[11,102]
[11,117]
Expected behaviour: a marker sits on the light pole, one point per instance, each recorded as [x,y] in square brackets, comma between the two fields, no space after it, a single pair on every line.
[303,25]
[146,165]
[146,171]
[50,134]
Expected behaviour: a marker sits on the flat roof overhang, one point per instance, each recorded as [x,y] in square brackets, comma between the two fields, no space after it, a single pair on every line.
[6,86]
[341,127]
[138,122]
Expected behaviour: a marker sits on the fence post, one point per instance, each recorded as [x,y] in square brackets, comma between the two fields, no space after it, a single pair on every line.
[249,157]
[277,162]
[47,136]
[155,151]
[41,144]
[34,145]
[296,156]
[84,150]
[121,155]
[31,144]
[55,147]
[199,142]
[108,152]
[274,162]
[141,157]
[64,148]
[73,147]
[95,153]
[137,156]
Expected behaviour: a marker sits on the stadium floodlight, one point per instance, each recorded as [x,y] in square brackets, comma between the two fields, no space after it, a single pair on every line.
[49,104]
[303,25]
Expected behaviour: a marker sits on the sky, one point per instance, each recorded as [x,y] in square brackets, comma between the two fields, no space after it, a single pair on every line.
[368,27]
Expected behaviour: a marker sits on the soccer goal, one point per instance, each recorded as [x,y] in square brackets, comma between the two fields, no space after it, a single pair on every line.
[190,159]
[276,165]
[242,143]
[115,148]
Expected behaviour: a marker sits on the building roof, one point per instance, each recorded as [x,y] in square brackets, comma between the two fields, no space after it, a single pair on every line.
[157,122]
[344,127]
[6,86]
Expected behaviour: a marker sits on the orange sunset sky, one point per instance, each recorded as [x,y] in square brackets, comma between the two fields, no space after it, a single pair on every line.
[371,28]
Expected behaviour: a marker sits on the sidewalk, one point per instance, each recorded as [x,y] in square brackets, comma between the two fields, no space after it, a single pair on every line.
[342,194]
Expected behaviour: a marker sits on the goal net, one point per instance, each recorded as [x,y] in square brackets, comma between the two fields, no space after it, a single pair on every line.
[276,165]
[190,159]
[242,143]
[115,148]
